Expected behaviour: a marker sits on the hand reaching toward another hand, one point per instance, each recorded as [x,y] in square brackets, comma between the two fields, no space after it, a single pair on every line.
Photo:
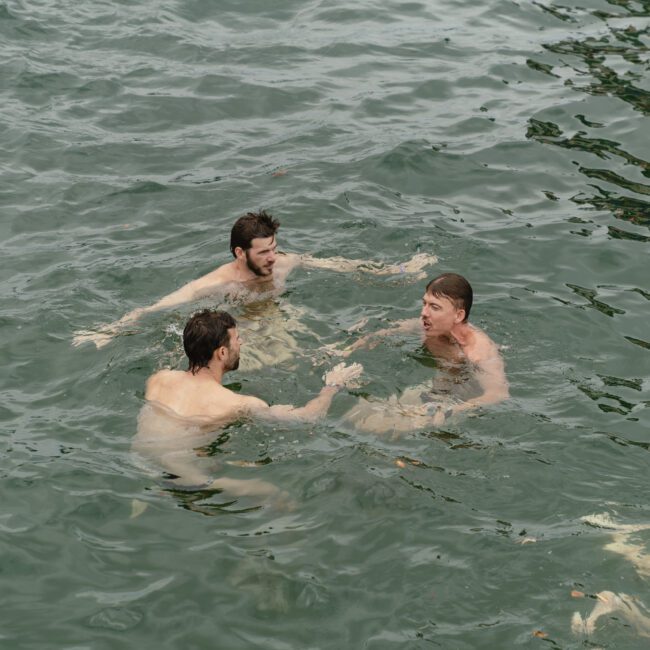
[342,375]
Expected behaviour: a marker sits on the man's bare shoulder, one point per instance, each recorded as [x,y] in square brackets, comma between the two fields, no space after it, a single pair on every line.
[161,380]
[481,348]
[221,275]
[165,376]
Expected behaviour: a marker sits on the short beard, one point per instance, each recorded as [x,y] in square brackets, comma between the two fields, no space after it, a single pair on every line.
[233,365]
[255,268]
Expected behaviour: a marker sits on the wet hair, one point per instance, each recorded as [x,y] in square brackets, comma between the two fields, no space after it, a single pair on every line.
[205,332]
[251,226]
[454,287]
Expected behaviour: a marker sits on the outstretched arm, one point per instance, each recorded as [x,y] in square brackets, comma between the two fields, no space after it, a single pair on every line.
[413,266]
[372,339]
[188,293]
[340,376]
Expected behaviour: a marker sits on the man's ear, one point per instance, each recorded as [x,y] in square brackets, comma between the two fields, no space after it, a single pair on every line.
[240,253]
[460,315]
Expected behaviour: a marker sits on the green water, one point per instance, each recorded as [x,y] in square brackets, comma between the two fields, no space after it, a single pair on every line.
[508,138]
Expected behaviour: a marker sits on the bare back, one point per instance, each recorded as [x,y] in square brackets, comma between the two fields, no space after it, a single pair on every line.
[197,396]
[183,412]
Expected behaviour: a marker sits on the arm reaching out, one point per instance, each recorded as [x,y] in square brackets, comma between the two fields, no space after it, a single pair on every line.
[371,340]
[191,291]
[337,378]
[413,266]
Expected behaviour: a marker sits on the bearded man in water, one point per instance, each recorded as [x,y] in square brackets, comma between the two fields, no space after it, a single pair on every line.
[258,268]
[184,408]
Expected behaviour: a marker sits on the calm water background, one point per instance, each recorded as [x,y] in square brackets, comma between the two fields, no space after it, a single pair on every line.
[509,138]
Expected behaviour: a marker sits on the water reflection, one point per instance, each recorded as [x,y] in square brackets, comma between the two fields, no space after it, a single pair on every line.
[611,64]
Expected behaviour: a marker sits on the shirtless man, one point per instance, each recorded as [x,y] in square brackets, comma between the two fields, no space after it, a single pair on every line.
[257,268]
[447,334]
[184,408]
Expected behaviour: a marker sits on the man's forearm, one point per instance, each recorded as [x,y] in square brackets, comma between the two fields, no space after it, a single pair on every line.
[183,295]
[488,398]
[310,412]
[342,264]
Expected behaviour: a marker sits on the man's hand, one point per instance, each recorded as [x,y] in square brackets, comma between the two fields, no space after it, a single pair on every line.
[100,339]
[107,332]
[415,265]
[342,375]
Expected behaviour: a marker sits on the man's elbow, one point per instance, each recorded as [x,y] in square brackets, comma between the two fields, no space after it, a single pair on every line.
[307,418]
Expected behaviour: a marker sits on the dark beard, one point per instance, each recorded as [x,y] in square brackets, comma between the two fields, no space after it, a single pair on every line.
[233,366]
[255,268]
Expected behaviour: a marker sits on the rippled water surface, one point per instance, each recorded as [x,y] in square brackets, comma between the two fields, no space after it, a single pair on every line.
[508,138]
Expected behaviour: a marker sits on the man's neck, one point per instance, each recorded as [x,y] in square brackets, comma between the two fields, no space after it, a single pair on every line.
[462,334]
[211,372]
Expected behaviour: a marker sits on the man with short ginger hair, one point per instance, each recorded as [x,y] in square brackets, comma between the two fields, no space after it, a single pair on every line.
[447,335]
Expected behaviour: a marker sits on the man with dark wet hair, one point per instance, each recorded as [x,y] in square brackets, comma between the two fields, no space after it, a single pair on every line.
[257,268]
[463,350]
[253,225]
[204,333]
[185,405]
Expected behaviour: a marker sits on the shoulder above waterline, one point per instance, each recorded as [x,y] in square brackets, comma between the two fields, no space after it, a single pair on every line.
[480,347]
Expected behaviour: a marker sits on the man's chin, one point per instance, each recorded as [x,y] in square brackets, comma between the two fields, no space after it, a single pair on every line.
[427,332]
[262,273]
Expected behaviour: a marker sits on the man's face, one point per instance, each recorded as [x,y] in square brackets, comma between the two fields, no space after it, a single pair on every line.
[260,257]
[232,363]
[439,315]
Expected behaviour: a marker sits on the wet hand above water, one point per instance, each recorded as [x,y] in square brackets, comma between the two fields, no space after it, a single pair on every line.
[342,375]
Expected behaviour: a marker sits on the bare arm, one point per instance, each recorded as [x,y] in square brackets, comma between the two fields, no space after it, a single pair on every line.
[371,340]
[413,266]
[315,408]
[178,455]
[491,376]
[188,293]
[340,376]
[492,379]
